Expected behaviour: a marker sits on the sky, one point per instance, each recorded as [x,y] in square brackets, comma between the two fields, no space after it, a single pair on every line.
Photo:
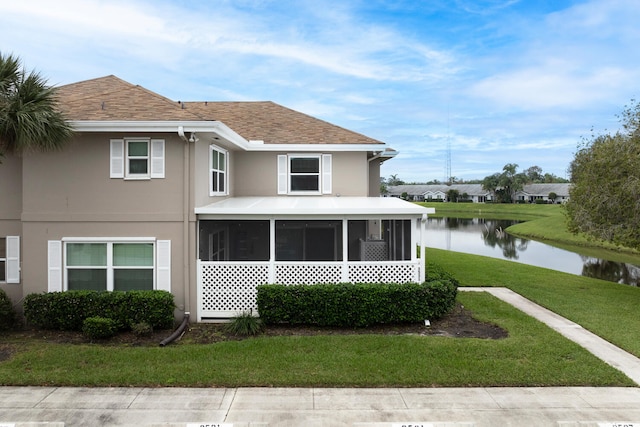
[490,82]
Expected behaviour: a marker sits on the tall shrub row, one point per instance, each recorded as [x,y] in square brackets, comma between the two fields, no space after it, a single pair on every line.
[68,310]
[358,304]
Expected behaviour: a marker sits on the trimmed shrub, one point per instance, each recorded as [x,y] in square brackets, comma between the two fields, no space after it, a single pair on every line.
[142,329]
[98,328]
[7,312]
[68,310]
[356,304]
[245,324]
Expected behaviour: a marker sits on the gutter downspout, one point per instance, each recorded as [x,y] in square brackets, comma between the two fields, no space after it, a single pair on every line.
[185,220]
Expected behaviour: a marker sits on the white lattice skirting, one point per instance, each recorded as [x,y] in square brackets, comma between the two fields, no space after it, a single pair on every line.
[227,289]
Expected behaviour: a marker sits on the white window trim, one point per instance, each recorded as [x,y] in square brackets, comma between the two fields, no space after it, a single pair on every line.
[127,158]
[119,158]
[324,173]
[57,268]
[215,148]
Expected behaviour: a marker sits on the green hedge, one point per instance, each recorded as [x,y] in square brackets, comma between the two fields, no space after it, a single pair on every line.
[357,304]
[7,312]
[68,310]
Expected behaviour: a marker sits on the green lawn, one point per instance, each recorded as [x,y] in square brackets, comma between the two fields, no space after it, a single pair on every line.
[532,355]
[605,308]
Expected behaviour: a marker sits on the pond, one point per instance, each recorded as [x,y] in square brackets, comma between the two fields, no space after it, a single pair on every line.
[488,238]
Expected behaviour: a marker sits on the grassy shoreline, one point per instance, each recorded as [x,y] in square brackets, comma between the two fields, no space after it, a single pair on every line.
[545,223]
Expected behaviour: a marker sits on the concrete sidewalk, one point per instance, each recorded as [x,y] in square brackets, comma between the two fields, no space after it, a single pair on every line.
[311,407]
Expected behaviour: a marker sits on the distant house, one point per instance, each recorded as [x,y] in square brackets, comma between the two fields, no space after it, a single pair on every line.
[475,193]
[438,192]
[532,192]
[205,200]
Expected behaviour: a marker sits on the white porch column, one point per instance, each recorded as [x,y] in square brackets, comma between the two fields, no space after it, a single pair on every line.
[272,251]
[345,251]
[423,242]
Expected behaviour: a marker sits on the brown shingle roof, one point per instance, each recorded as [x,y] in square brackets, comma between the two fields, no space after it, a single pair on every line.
[275,124]
[110,98]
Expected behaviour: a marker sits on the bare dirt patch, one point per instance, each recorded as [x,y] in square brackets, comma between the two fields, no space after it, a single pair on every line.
[459,323]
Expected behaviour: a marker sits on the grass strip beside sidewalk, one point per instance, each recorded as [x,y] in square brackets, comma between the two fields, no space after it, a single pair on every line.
[532,355]
[608,309]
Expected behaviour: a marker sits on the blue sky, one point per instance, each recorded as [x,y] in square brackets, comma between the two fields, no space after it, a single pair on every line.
[499,81]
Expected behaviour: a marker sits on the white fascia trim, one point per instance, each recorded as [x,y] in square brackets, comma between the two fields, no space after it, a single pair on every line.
[108,239]
[169,126]
[318,148]
[223,131]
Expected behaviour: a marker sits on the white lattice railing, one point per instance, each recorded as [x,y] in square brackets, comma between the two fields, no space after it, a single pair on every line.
[228,288]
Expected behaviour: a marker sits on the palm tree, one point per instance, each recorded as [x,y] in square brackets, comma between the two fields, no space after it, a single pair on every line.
[29,117]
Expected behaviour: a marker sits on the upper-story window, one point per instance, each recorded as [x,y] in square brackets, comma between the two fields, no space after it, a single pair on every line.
[137,158]
[304,174]
[218,167]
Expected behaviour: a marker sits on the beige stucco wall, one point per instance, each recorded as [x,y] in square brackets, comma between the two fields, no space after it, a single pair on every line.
[10,190]
[75,184]
[255,174]
[70,194]
[374,178]
[10,209]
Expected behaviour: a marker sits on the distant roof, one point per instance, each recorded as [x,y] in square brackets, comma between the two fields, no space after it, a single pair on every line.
[112,99]
[561,189]
[419,189]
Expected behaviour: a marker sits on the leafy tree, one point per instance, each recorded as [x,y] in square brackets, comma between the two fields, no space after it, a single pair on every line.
[534,174]
[505,185]
[552,196]
[394,180]
[29,117]
[604,199]
[453,195]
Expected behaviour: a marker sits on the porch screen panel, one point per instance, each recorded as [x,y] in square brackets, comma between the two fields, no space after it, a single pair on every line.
[397,235]
[228,240]
[309,240]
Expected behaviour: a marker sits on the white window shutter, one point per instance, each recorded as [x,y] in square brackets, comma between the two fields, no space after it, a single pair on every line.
[283,178]
[13,259]
[157,158]
[163,265]
[54,266]
[116,158]
[326,174]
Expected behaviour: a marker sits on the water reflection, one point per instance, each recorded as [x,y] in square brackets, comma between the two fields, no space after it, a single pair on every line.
[488,237]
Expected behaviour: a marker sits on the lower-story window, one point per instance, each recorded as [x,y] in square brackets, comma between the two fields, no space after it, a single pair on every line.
[3,260]
[109,266]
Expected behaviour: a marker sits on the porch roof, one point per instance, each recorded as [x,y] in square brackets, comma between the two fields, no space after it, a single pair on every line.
[314,206]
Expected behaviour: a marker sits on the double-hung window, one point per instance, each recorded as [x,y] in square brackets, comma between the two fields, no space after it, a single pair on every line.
[218,165]
[304,174]
[109,264]
[10,259]
[137,158]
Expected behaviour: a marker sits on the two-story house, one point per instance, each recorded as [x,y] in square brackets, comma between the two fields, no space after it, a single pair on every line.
[204,199]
